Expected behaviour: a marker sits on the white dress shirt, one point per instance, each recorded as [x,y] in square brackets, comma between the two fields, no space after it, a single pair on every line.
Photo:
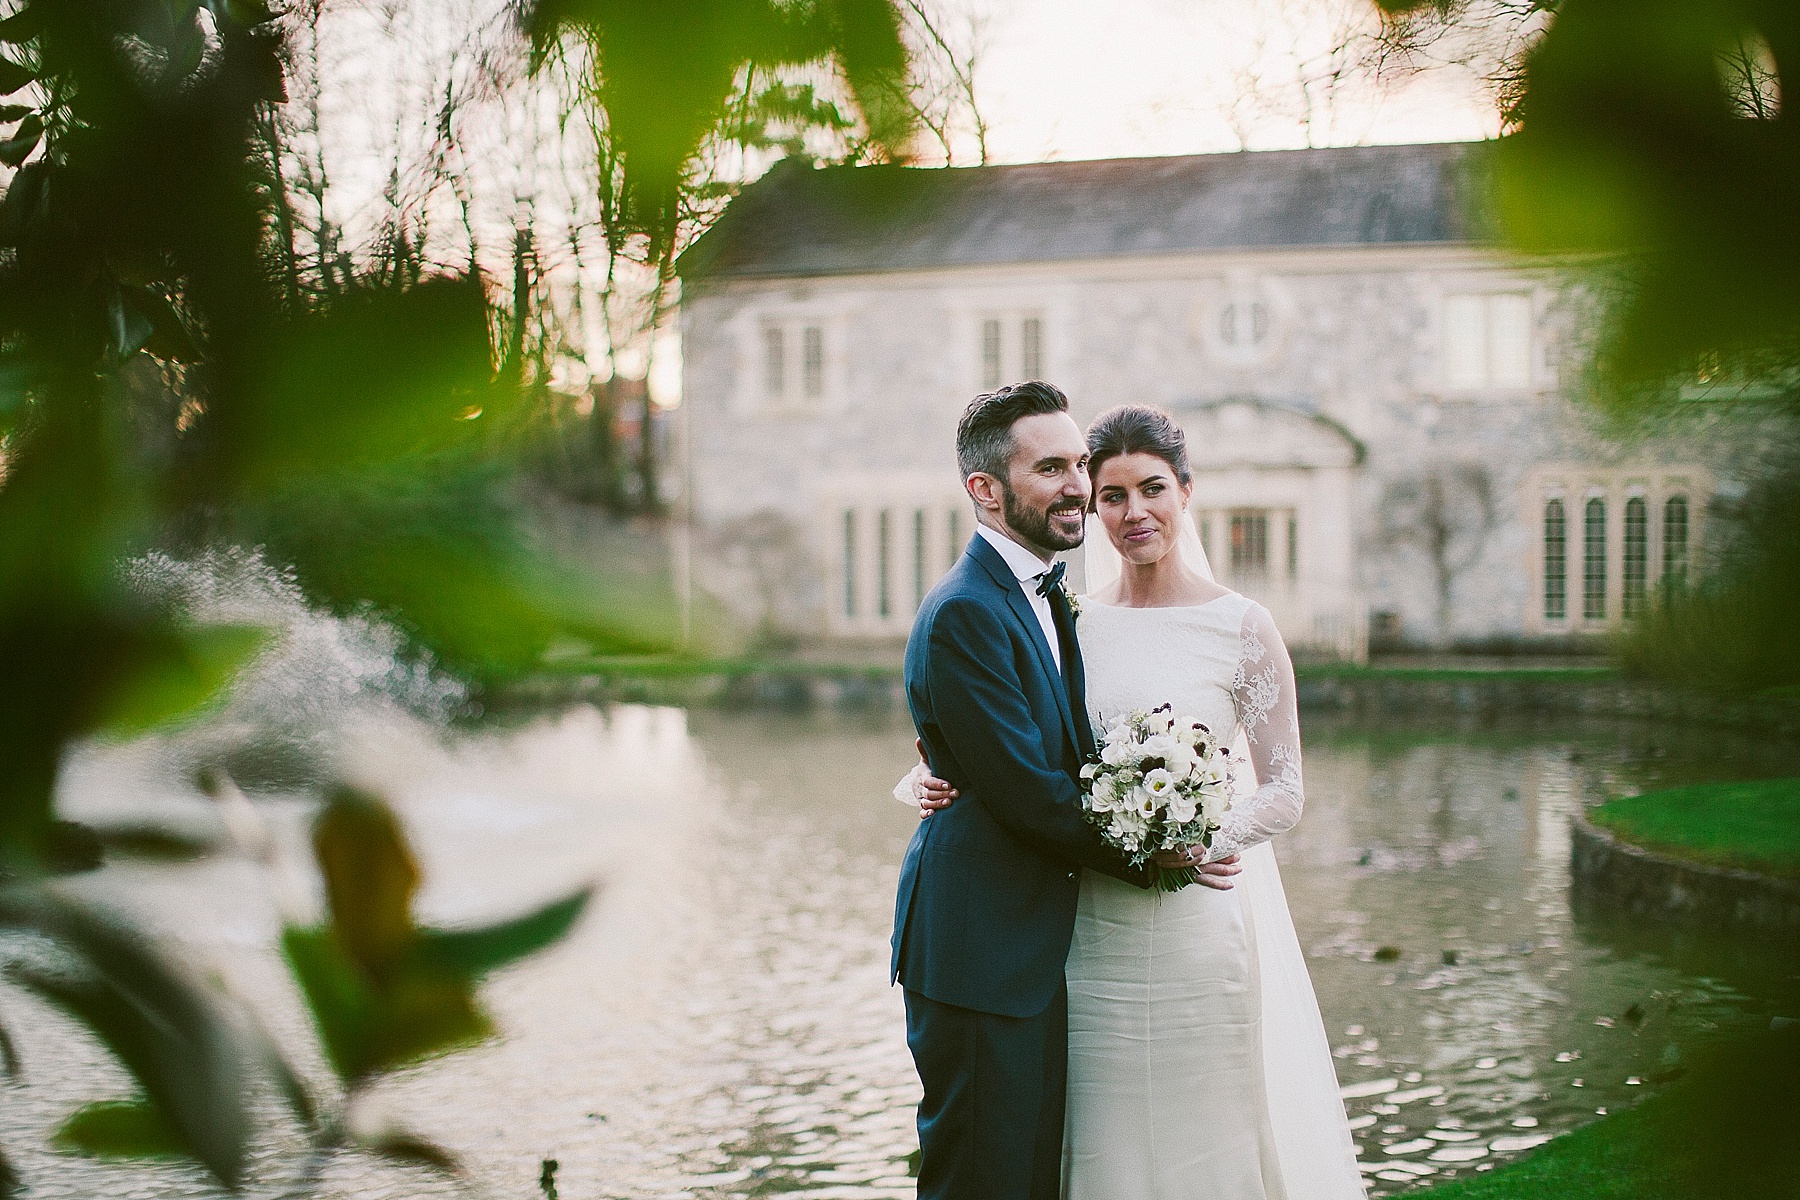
[1029,568]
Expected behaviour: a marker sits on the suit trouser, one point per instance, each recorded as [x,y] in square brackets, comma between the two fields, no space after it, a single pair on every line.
[991,1120]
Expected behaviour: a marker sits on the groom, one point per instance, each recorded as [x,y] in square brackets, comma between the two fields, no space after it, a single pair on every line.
[988,887]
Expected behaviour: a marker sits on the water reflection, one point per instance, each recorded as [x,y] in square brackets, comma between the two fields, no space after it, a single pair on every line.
[721,1025]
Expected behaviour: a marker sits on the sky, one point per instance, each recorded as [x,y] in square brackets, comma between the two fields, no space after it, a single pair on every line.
[1055,79]
[1073,79]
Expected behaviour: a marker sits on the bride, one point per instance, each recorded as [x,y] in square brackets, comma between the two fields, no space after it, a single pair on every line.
[1198,1064]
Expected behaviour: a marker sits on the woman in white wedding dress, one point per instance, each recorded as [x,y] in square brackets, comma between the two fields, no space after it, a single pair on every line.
[1198,1064]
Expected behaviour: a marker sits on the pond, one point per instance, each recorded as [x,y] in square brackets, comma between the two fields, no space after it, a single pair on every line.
[721,1024]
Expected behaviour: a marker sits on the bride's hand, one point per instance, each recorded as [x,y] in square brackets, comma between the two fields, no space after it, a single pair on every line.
[924,789]
[1216,875]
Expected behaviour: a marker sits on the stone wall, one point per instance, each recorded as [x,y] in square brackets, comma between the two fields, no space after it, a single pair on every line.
[1435,531]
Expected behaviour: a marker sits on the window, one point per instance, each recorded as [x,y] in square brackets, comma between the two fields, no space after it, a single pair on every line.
[1249,533]
[793,365]
[1244,323]
[955,546]
[774,363]
[918,563]
[812,345]
[990,354]
[850,563]
[1488,340]
[1593,571]
[884,544]
[1636,565]
[1012,350]
[1675,542]
[1556,561]
[1293,548]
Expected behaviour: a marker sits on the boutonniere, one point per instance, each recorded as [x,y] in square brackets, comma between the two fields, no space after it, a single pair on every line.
[1074,607]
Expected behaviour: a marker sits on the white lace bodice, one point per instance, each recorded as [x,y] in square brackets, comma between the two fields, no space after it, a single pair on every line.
[1223,662]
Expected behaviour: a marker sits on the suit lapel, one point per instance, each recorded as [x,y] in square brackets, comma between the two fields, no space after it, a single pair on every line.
[1014,589]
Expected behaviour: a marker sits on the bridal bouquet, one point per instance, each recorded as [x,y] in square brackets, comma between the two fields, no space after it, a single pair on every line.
[1163,780]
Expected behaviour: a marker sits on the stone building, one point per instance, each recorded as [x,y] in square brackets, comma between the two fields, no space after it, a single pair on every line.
[1381,407]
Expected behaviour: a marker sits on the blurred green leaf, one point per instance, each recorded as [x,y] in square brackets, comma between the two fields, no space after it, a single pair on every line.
[15,149]
[475,952]
[169,338]
[1635,147]
[181,669]
[249,13]
[164,1028]
[14,112]
[23,208]
[666,74]
[368,1024]
[9,1055]
[381,378]
[120,1129]
[128,328]
[13,76]
[415,1150]
[382,991]
[375,1007]
[24,24]
[10,1183]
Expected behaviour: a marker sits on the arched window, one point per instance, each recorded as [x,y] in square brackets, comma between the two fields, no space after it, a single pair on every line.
[1675,543]
[1593,561]
[1637,558]
[1556,562]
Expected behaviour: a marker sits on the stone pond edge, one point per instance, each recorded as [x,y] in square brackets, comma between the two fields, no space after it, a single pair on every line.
[1366,693]
[1644,883]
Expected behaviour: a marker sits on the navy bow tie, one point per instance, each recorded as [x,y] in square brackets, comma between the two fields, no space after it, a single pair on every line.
[1052,579]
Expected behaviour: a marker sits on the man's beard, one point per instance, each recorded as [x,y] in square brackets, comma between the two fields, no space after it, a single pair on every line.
[1034,524]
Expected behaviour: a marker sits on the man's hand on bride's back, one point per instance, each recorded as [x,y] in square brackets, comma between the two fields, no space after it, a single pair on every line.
[1212,874]
[923,788]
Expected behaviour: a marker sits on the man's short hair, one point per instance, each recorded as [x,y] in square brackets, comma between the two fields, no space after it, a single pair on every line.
[984,440]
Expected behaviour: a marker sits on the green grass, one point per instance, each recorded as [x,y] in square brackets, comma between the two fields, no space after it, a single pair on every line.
[1753,826]
[1729,1131]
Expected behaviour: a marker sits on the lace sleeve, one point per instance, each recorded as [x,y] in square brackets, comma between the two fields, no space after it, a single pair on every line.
[1267,708]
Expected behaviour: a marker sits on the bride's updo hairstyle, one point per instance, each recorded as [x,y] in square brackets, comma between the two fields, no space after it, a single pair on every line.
[1137,429]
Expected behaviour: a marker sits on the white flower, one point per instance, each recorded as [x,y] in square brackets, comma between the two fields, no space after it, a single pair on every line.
[1117,753]
[1088,770]
[1181,761]
[1159,785]
[1127,828]
[1102,798]
[1160,721]
[1140,803]
[1160,745]
[1213,806]
[1183,807]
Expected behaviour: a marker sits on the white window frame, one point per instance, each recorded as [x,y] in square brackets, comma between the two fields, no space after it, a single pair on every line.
[1479,314]
[1015,363]
[901,565]
[1575,486]
[808,382]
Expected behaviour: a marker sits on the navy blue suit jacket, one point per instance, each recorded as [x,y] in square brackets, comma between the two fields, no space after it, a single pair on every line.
[988,887]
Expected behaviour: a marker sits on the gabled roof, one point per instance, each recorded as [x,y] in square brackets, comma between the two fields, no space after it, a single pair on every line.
[798,221]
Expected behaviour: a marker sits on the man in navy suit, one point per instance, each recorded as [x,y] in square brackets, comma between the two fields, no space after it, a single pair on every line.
[986,906]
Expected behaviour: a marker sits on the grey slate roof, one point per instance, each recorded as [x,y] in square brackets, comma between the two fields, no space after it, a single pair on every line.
[797,221]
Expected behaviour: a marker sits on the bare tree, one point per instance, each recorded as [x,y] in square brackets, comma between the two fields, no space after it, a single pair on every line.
[1447,512]
[945,93]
